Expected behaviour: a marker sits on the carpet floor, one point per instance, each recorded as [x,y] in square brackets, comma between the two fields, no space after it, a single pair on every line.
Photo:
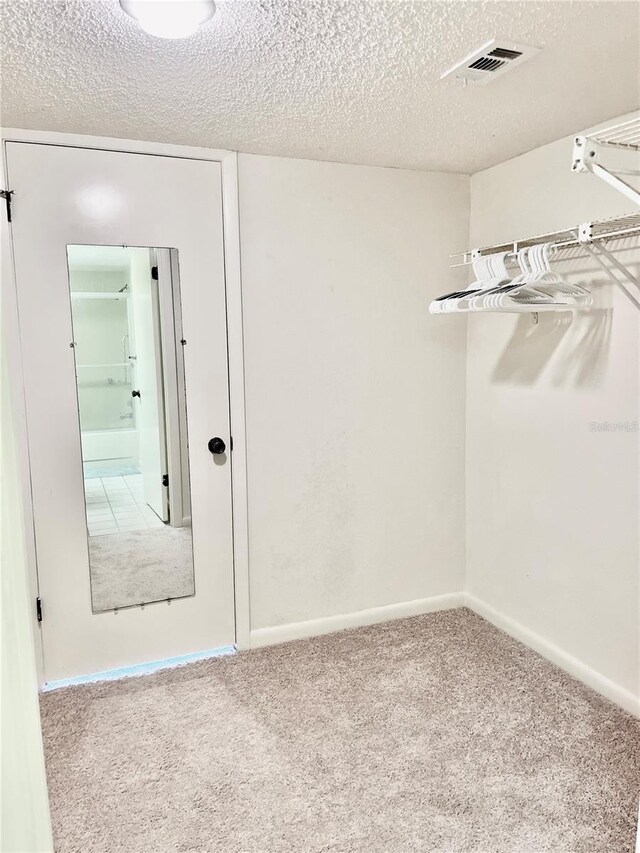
[436,733]
[140,566]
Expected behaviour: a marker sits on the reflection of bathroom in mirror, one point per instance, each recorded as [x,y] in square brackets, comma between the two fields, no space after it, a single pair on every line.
[125,304]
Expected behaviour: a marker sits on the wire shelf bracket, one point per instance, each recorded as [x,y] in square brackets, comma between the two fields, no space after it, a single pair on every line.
[587,152]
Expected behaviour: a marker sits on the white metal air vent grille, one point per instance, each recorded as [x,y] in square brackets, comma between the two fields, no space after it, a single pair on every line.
[489,61]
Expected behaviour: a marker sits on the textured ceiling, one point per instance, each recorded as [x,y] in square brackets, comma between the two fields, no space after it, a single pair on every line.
[353,81]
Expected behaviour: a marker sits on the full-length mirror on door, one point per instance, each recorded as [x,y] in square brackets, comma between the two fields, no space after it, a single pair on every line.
[129,360]
[130,507]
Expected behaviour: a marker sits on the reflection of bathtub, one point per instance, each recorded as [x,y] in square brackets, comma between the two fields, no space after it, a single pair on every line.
[110,446]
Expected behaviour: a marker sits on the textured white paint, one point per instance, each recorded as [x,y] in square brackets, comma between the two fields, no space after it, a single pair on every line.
[553,507]
[352,81]
[355,398]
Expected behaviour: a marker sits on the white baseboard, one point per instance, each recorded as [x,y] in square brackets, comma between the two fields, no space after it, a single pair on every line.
[328,624]
[620,695]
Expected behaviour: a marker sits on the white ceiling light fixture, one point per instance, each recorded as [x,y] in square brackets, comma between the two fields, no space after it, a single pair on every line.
[170,19]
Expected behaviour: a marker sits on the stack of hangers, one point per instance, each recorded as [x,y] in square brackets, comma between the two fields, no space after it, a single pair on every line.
[534,287]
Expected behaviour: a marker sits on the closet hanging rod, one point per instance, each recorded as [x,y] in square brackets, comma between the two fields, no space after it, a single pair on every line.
[587,232]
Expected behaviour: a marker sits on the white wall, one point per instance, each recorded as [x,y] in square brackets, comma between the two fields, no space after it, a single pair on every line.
[355,398]
[24,815]
[552,506]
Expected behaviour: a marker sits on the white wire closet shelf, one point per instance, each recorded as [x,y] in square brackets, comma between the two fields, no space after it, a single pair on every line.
[502,266]
[577,236]
[626,134]
[517,276]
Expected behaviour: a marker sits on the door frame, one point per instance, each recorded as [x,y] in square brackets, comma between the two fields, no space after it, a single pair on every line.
[228,161]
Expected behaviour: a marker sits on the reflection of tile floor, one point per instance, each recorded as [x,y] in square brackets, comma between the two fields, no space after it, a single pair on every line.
[116,504]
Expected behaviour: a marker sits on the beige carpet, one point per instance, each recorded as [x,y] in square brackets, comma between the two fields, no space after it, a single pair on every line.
[140,566]
[437,733]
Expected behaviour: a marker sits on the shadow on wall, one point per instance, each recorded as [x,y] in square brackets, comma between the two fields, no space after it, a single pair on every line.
[584,362]
[584,339]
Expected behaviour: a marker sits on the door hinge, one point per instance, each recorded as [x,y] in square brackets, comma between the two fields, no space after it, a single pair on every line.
[154,273]
[165,480]
[230,442]
[39,609]
[6,195]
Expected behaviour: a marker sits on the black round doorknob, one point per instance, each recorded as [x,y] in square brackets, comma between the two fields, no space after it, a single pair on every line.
[216,445]
[135,393]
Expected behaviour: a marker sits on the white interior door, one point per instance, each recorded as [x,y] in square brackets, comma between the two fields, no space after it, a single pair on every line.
[148,380]
[65,196]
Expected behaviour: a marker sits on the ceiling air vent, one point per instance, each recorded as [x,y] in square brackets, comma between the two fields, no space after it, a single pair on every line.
[493,59]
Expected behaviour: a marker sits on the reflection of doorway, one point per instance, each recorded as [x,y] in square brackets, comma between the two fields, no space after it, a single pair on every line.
[116,321]
[131,405]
